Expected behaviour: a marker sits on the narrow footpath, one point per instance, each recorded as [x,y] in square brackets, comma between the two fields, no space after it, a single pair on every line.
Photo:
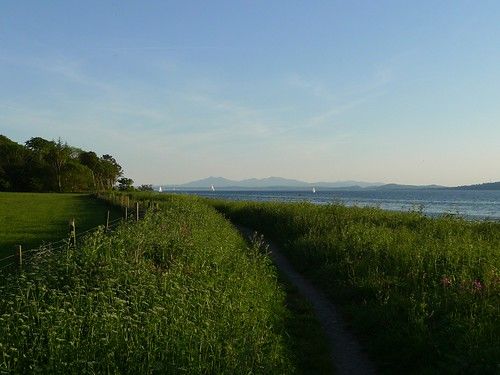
[345,352]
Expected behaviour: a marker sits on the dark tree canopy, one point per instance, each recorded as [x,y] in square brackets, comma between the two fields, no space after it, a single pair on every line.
[42,165]
[125,184]
[145,187]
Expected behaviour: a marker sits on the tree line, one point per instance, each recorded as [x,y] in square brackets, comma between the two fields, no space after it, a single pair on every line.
[41,165]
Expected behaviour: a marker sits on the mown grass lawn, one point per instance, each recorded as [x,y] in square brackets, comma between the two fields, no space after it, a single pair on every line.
[31,219]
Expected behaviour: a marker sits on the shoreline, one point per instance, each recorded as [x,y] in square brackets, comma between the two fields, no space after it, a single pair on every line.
[429,208]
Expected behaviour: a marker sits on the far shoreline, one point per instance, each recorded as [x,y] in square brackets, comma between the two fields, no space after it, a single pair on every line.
[350,198]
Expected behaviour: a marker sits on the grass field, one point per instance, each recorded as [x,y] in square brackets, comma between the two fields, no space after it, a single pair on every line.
[30,219]
[424,294]
[178,292]
[307,346]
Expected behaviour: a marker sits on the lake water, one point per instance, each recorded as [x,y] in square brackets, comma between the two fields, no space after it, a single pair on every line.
[476,205]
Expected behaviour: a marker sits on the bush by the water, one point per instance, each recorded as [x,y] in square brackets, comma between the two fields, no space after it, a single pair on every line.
[424,293]
[178,292]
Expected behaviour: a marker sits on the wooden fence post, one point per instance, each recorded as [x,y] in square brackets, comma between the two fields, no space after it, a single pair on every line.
[72,232]
[19,256]
[136,211]
[107,221]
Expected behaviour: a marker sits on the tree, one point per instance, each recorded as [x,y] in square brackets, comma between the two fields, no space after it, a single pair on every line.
[91,161]
[41,174]
[110,170]
[12,165]
[125,184]
[76,177]
[58,156]
[145,188]
[4,180]
[38,144]
[43,165]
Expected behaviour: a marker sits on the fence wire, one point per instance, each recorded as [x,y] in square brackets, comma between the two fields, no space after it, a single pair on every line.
[7,265]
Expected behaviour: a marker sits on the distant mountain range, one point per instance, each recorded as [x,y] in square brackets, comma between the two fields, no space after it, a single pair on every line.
[279,183]
[270,183]
[409,187]
[485,186]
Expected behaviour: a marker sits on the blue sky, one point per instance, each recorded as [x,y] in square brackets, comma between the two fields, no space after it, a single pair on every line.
[389,91]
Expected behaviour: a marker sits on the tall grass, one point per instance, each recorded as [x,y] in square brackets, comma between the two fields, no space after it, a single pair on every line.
[178,292]
[424,293]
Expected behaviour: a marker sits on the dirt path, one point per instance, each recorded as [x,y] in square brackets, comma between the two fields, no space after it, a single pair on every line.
[345,352]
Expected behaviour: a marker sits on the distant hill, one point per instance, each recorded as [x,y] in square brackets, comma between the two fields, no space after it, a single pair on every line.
[280,183]
[485,186]
[269,183]
[408,187]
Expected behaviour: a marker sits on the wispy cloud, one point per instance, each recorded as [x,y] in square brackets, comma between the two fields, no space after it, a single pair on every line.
[157,48]
[311,86]
[68,69]
[181,116]
[340,100]
[187,120]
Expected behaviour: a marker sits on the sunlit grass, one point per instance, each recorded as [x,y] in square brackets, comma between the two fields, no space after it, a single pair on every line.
[423,293]
[30,219]
[179,292]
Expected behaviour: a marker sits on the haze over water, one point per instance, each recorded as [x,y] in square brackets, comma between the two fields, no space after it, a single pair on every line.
[470,204]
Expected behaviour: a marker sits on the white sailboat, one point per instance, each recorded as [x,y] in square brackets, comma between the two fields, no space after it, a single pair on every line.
[314,190]
[212,188]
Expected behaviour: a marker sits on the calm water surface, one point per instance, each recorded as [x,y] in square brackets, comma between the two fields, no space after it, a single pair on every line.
[467,203]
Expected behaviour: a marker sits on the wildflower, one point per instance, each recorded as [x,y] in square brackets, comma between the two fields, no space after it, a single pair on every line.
[445,281]
[477,285]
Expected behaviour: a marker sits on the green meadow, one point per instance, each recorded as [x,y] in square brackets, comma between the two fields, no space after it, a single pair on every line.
[178,292]
[422,293]
[182,292]
[31,219]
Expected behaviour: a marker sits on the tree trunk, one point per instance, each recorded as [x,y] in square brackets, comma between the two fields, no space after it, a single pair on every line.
[59,181]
